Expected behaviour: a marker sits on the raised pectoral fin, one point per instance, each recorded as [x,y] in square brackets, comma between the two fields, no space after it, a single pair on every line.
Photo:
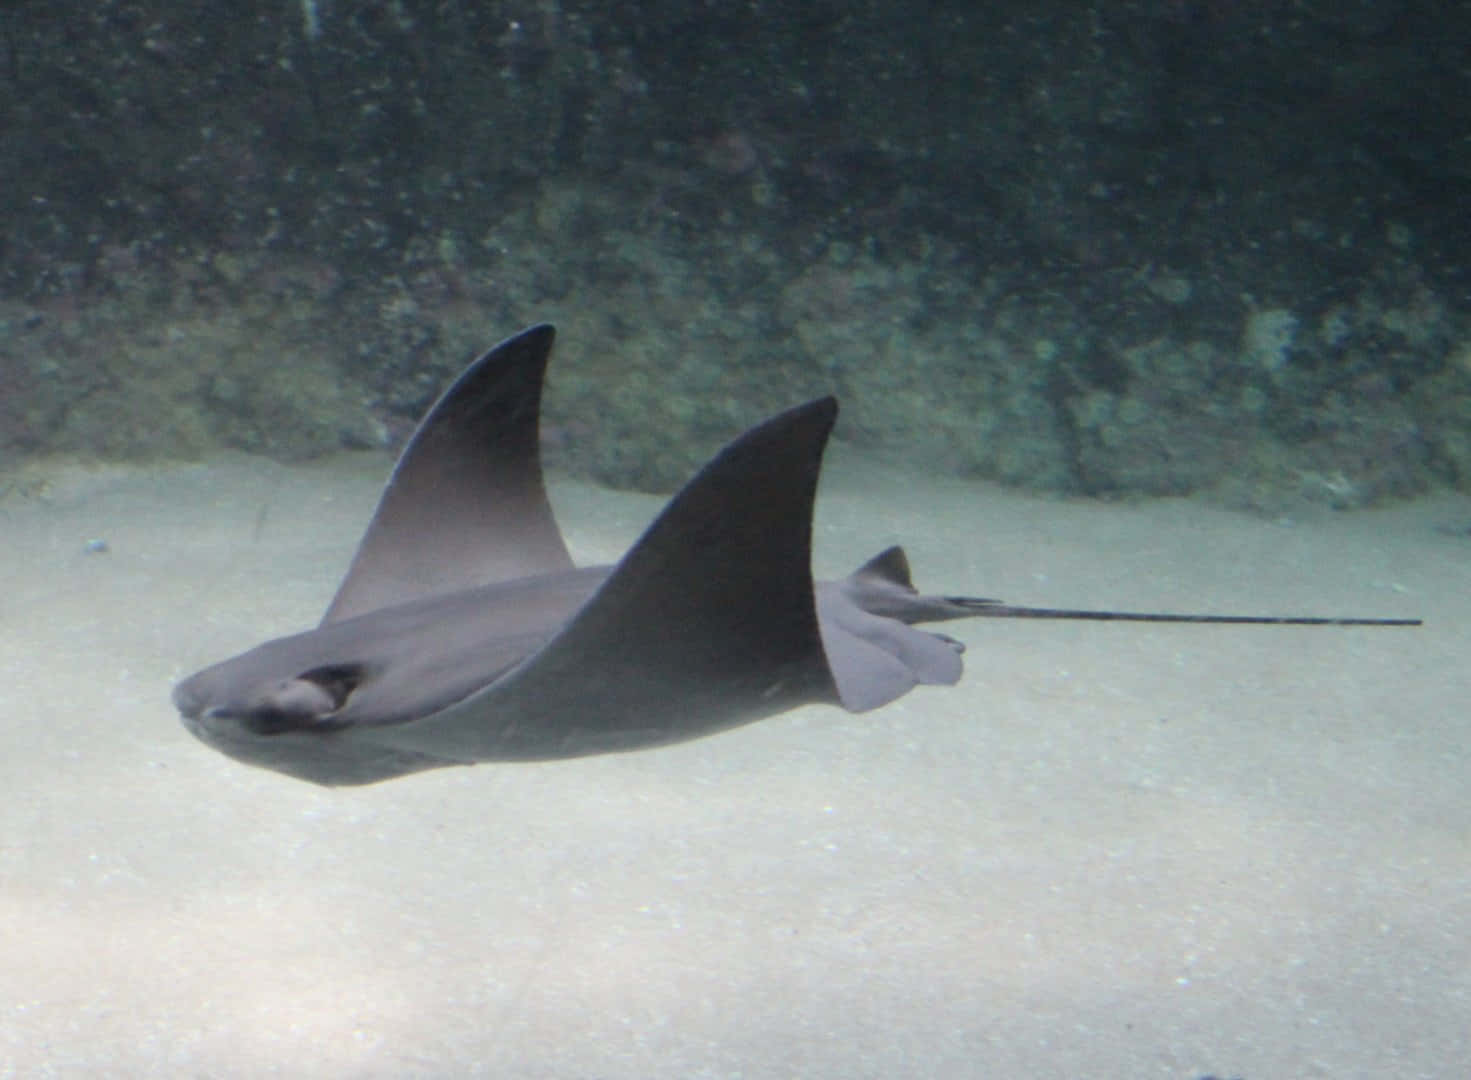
[465,505]
[708,621]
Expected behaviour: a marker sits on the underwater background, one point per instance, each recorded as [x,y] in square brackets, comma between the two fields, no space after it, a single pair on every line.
[1162,246]
[1125,305]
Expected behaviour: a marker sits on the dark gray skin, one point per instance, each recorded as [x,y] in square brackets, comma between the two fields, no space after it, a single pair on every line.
[462,632]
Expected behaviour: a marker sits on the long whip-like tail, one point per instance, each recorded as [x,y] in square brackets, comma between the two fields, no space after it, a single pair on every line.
[997,610]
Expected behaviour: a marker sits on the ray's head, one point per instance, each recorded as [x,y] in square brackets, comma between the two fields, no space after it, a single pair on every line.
[292,724]
[267,706]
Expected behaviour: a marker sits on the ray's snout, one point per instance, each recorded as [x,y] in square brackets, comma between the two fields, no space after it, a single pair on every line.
[187,701]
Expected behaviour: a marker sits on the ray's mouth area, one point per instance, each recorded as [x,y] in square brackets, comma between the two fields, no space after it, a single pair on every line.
[263,722]
[187,702]
[309,702]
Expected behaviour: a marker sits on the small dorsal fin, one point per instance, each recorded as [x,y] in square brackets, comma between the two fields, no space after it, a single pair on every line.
[890,565]
[465,505]
[872,648]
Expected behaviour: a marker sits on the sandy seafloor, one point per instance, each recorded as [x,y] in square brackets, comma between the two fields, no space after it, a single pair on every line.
[1112,851]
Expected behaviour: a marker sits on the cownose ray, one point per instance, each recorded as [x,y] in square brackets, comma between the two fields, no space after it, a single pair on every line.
[463,633]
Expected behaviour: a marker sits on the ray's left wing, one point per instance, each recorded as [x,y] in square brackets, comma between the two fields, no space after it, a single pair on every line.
[465,505]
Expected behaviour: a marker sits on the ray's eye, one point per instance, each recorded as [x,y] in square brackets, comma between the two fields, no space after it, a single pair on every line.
[337,681]
[304,701]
